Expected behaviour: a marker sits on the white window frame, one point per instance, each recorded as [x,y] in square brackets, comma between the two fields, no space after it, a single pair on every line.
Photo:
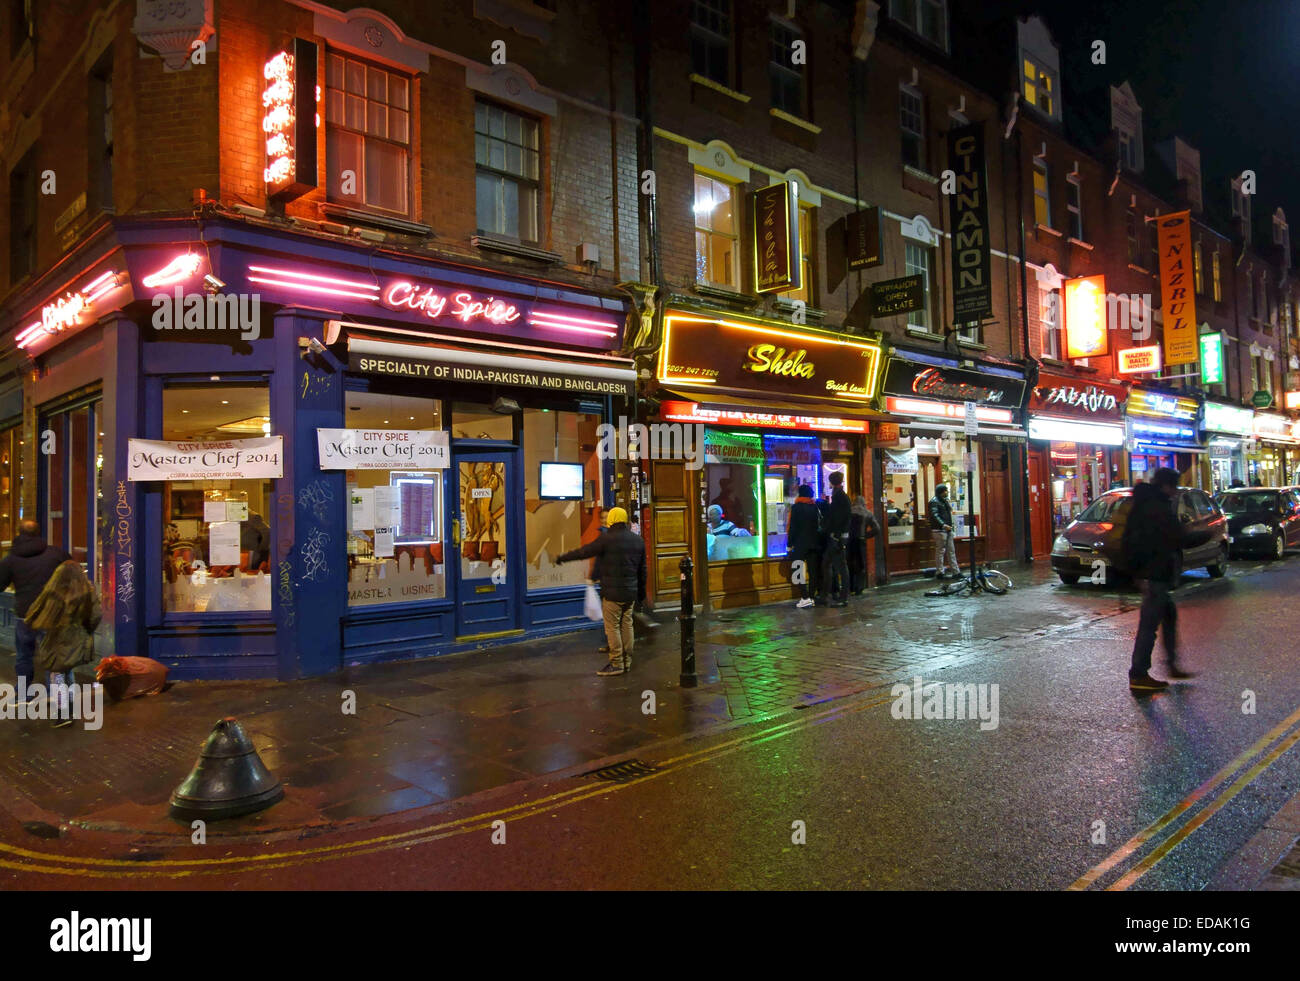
[1074,210]
[913,24]
[734,236]
[911,250]
[910,91]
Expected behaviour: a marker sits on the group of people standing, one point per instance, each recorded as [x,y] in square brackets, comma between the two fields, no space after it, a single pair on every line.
[829,537]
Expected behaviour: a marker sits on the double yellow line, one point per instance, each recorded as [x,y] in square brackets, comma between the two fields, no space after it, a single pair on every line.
[1279,734]
[26,860]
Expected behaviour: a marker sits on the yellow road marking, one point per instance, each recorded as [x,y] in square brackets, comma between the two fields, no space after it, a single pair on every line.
[1140,839]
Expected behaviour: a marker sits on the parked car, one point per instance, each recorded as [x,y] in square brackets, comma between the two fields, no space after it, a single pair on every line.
[1096,535]
[1262,520]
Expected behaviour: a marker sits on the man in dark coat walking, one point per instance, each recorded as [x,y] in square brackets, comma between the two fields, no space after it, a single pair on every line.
[621,569]
[803,524]
[835,570]
[1151,544]
[28,567]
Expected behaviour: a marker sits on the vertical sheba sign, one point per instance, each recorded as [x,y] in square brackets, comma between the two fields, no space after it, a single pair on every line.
[777,263]
[968,211]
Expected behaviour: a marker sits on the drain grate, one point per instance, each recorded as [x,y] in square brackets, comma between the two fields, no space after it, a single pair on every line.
[624,771]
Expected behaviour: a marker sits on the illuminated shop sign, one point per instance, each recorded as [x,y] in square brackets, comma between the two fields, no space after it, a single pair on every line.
[1142,402]
[694,412]
[777,262]
[758,359]
[1060,395]
[1275,428]
[1229,419]
[449,307]
[1212,358]
[290,119]
[73,309]
[1155,431]
[179,269]
[1291,400]
[1085,317]
[1061,431]
[945,410]
[1135,360]
[906,378]
[1174,239]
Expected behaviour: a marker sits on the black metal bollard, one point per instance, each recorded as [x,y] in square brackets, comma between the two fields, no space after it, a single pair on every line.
[687,620]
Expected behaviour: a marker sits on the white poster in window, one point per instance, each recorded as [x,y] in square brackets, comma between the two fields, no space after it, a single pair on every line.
[236,510]
[384,542]
[361,515]
[223,543]
[245,459]
[384,521]
[214,511]
[900,461]
[382,449]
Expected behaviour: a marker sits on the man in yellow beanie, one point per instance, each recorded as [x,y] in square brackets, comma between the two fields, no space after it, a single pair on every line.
[621,569]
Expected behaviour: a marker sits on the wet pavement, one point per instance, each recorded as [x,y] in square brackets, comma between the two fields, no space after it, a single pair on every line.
[506,727]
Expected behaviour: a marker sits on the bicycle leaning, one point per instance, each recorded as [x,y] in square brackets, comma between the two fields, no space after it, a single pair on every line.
[986,579]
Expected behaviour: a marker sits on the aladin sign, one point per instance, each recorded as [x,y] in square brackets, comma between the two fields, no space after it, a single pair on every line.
[968,210]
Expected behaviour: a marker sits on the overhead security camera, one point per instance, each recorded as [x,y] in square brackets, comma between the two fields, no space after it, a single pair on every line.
[212,284]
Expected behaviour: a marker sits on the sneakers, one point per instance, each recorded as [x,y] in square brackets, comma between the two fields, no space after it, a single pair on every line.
[60,723]
[612,669]
[806,602]
[1180,674]
[1146,683]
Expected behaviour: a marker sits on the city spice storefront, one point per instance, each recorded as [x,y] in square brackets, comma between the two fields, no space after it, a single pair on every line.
[777,407]
[927,396]
[1163,430]
[1076,449]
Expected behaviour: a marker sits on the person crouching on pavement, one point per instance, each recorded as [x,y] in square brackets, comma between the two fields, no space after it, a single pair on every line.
[803,524]
[835,570]
[1151,543]
[621,565]
[945,546]
[68,611]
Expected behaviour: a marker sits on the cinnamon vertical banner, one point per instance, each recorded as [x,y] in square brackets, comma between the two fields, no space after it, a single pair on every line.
[968,211]
[777,265]
[1174,242]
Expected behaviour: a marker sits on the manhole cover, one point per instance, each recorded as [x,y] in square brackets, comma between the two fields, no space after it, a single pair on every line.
[623,772]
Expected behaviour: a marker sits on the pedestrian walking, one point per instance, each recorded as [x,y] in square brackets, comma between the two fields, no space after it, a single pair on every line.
[941,527]
[803,525]
[28,567]
[1151,543]
[622,572]
[835,570]
[67,612]
[863,526]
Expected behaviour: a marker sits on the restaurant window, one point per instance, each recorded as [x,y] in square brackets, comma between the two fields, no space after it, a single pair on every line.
[1074,205]
[476,420]
[1042,194]
[918,261]
[1216,273]
[22,218]
[787,78]
[1198,270]
[711,40]
[911,475]
[71,473]
[561,493]
[11,481]
[808,271]
[395,518]
[367,132]
[507,185]
[716,238]
[1050,316]
[216,534]
[911,115]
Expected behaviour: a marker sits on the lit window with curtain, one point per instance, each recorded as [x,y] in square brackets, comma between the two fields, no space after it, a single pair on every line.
[507,184]
[1216,271]
[716,236]
[367,133]
[1042,194]
[1198,270]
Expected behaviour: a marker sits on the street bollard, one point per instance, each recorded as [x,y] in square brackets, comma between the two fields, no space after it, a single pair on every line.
[687,619]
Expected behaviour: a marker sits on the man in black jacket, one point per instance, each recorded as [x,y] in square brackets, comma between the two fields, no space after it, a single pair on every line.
[945,546]
[1151,543]
[803,526]
[835,570]
[620,555]
[28,567]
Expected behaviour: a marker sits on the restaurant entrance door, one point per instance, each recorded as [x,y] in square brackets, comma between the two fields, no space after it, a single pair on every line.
[485,531]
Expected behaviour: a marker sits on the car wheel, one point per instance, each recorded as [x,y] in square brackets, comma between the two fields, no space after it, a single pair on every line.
[1068,578]
[1279,546]
[1219,569]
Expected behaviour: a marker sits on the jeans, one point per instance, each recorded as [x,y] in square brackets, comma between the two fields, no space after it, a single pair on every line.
[945,551]
[835,571]
[1158,610]
[618,631]
[25,640]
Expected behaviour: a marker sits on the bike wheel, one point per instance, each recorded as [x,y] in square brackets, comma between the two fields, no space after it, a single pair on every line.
[991,585]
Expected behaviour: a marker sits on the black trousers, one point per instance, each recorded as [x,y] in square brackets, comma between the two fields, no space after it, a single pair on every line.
[835,571]
[1158,611]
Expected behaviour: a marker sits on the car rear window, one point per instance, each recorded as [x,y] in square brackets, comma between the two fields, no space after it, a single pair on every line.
[1240,503]
[1104,508]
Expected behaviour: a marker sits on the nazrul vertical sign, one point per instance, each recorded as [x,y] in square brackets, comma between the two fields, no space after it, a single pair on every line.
[968,211]
[777,263]
[1179,311]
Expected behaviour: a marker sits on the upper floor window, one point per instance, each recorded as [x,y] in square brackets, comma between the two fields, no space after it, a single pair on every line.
[716,238]
[911,110]
[1198,270]
[367,134]
[100,142]
[786,76]
[1240,202]
[1039,87]
[1128,156]
[1074,205]
[22,218]
[1049,315]
[1282,237]
[919,261]
[507,183]
[928,18]
[1216,274]
[711,40]
[1042,199]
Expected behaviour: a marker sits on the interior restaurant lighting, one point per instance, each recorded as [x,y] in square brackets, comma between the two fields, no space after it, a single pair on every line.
[1085,317]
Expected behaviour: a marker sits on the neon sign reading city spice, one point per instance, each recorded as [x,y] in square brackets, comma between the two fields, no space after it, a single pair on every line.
[463,306]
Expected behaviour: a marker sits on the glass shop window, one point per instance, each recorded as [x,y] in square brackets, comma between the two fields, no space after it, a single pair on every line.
[216,533]
[911,476]
[791,461]
[395,517]
[11,478]
[72,472]
[561,481]
[736,522]
[474,421]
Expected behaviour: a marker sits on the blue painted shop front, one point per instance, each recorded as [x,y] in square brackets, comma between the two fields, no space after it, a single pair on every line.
[515,371]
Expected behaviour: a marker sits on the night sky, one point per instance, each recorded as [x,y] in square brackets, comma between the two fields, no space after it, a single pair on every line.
[1222,74]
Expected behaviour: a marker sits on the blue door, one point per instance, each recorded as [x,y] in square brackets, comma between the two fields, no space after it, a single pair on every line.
[487,529]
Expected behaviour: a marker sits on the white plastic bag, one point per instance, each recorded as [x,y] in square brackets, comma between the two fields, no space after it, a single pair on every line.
[591,605]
